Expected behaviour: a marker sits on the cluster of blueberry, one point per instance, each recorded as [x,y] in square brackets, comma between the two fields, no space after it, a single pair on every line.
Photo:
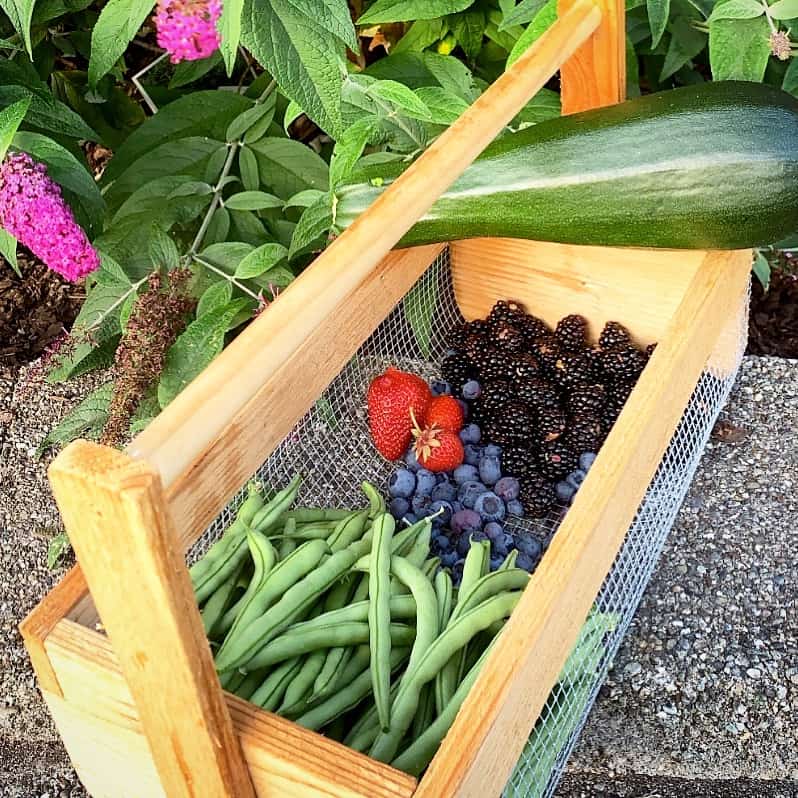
[566,489]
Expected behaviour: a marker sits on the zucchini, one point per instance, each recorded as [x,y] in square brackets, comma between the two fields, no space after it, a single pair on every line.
[708,166]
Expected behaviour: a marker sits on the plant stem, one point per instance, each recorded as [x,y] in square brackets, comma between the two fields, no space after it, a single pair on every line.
[222,273]
[104,315]
[135,80]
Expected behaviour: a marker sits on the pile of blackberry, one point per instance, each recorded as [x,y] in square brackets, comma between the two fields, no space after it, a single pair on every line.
[544,396]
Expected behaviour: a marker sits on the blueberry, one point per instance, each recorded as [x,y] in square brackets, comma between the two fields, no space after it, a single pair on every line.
[463,545]
[441,476]
[471,390]
[530,546]
[565,491]
[489,470]
[491,450]
[514,507]
[465,523]
[496,563]
[448,559]
[402,483]
[399,507]
[425,482]
[468,493]
[440,387]
[576,478]
[471,433]
[586,460]
[465,473]
[472,453]
[479,535]
[409,518]
[421,506]
[489,506]
[463,407]
[507,488]
[525,562]
[493,530]
[444,492]
[502,545]
[457,572]
[410,460]
[445,512]
[442,542]
[456,506]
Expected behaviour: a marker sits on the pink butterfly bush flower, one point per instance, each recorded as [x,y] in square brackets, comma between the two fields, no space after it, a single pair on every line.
[34,212]
[187,28]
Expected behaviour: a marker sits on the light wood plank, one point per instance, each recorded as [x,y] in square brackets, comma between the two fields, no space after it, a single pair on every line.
[641,288]
[489,733]
[115,513]
[596,73]
[284,760]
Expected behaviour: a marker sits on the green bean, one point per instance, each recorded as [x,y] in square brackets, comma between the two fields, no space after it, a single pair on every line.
[318,531]
[287,545]
[443,592]
[295,642]
[335,672]
[251,683]
[454,637]
[293,605]
[430,567]
[425,602]
[271,692]
[214,609]
[509,560]
[380,614]
[489,585]
[425,713]
[376,501]
[263,556]
[228,552]
[232,680]
[269,514]
[419,753]
[308,515]
[404,540]
[348,530]
[420,550]
[349,697]
[362,735]
[277,582]
[300,687]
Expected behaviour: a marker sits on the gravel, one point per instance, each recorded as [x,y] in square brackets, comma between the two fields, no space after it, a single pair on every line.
[705,687]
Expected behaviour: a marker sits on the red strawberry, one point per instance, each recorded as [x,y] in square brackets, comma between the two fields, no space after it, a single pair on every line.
[438,450]
[391,398]
[445,412]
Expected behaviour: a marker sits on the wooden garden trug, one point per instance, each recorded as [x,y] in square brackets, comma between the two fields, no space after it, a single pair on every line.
[137,700]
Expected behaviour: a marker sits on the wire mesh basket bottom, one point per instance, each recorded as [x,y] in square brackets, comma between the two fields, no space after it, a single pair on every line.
[332,449]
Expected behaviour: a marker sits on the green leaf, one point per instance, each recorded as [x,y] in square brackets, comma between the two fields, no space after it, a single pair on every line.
[191,188]
[444,107]
[230,30]
[219,227]
[544,105]
[543,20]
[215,296]
[292,40]
[248,166]
[200,113]
[188,71]
[86,420]
[784,9]
[348,149]
[303,199]
[314,222]
[421,34]
[400,97]
[292,113]
[632,70]
[227,255]
[761,269]
[739,49]
[155,202]
[790,82]
[658,13]
[20,12]
[163,250]
[289,166]
[8,249]
[10,120]
[737,9]
[118,23]
[252,201]
[56,549]
[522,14]
[263,112]
[77,185]
[685,44]
[419,308]
[404,10]
[260,260]
[195,348]
[468,28]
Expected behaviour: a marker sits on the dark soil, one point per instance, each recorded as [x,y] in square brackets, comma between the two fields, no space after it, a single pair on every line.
[773,328]
[34,309]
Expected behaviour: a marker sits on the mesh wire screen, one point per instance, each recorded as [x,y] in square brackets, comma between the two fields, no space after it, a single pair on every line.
[332,449]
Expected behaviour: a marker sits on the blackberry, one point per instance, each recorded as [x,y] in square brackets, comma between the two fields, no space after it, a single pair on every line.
[586,399]
[458,368]
[616,399]
[533,327]
[516,420]
[650,350]
[457,336]
[595,357]
[551,424]
[547,349]
[556,460]
[537,496]
[537,393]
[507,336]
[516,461]
[491,362]
[474,345]
[623,364]
[614,334]
[571,332]
[585,433]
[508,311]
[522,366]
[496,431]
[571,370]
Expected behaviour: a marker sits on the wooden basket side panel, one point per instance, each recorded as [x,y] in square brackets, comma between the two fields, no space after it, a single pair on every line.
[640,288]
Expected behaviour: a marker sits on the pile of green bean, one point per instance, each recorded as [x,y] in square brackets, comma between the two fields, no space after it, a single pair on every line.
[337,620]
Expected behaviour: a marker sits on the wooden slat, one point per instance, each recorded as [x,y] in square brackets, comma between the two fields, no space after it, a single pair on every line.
[489,733]
[98,720]
[596,73]
[641,288]
[200,417]
[115,512]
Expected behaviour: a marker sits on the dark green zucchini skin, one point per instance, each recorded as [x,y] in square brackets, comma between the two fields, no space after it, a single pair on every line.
[709,166]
